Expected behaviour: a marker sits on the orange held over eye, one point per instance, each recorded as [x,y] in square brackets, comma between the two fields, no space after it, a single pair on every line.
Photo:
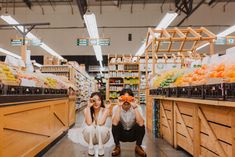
[127,98]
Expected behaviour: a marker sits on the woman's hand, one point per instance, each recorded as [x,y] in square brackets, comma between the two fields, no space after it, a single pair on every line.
[107,104]
[90,103]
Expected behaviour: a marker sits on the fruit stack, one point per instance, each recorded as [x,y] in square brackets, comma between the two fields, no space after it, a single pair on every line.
[50,83]
[196,76]
[217,71]
[7,77]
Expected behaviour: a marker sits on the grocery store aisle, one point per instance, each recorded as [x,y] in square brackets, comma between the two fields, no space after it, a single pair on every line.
[154,147]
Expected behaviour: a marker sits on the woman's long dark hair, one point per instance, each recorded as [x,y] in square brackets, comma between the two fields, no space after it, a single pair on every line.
[102,103]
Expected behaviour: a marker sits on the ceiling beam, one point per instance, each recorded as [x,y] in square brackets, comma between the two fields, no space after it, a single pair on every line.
[194,9]
[28,3]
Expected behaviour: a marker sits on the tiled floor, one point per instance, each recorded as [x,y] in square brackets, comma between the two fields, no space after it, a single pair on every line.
[154,147]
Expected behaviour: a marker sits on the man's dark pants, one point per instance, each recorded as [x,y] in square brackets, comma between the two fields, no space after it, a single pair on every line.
[136,133]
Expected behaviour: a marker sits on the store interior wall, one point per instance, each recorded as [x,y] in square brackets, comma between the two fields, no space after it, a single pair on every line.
[63,40]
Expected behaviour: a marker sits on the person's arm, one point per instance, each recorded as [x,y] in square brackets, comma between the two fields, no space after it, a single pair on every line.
[105,114]
[138,114]
[87,113]
[117,113]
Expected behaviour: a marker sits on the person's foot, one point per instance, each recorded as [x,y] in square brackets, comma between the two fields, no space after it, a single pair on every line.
[139,150]
[91,151]
[101,151]
[116,150]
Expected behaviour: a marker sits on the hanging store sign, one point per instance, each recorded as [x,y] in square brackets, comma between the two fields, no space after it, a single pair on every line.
[228,40]
[93,42]
[30,42]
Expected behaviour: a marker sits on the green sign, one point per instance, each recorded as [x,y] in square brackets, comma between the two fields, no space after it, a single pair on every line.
[93,42]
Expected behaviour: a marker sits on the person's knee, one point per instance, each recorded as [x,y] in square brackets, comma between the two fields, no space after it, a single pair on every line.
[116,124]
[89,129]
[140,127]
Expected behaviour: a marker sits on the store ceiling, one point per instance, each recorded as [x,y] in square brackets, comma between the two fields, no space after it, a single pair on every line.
[66,24]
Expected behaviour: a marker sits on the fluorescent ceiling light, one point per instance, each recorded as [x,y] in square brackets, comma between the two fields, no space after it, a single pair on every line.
[227,31]
[12,21]
[38,65]
[164,23]
[101,65]
[202,46]
[92,29]
[101,73]
[10,53]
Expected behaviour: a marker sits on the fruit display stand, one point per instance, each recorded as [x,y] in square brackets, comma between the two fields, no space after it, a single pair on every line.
[34,112]
[124,72]
[194,114]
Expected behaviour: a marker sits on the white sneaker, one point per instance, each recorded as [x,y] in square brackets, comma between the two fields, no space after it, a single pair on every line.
[91,151]
[101,151]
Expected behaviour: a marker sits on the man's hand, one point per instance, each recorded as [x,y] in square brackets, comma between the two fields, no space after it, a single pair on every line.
[134,103]
[120,102]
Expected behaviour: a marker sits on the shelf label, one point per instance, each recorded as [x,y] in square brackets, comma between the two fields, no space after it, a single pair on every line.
[93,42]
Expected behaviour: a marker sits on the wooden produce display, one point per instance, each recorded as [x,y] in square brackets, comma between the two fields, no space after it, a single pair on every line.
[124,72]
[27,127]
[199,119]
[201,127]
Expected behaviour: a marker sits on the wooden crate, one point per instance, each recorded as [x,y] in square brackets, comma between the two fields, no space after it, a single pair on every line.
[200,129]
[26,129]
[166,121]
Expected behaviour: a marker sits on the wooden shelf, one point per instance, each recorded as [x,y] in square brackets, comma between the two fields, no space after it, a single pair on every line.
[116,84]
[123,70]
[125,63]
[131,83]
[136,70]
[125,77]
[115,77]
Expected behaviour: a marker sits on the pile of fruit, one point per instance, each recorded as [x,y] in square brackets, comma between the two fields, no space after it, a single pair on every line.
[50,83]
[196,76]
[230,73]
[167,78]
[217,71]
[6,75]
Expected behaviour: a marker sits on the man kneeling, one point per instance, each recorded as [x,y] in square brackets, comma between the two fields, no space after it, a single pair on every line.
[128,123]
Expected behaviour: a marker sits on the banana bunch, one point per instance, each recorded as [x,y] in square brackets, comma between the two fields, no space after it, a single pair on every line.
[50,82]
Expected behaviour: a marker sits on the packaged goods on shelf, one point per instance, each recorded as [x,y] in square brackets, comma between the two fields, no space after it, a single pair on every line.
[112,67]
[120,67]
[131,81]
[84,83]
[123,74]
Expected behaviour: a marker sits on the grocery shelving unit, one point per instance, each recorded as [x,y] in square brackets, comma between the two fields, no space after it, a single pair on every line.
[84,83]
[124,71]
